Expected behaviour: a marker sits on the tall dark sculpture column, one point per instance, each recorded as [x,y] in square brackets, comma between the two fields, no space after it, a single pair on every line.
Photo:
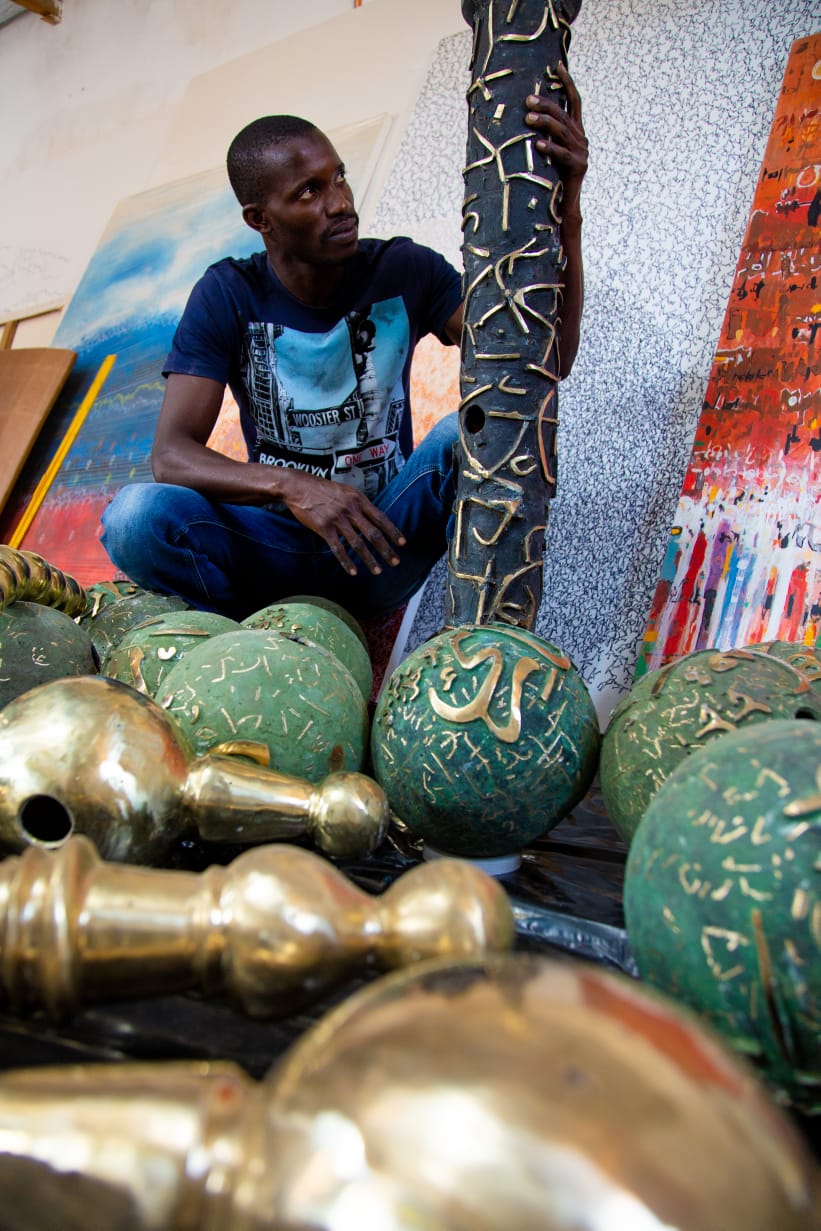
[509,373]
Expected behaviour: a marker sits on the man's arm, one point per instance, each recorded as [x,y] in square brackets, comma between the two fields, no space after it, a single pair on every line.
[338,513]
[562,139]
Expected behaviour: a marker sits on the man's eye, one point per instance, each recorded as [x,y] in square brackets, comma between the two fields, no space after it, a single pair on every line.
[308,191]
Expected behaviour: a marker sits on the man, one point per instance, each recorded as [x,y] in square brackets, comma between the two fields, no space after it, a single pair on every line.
[315,337]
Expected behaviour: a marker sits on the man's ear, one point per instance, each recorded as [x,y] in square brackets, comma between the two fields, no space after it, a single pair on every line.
[254,217]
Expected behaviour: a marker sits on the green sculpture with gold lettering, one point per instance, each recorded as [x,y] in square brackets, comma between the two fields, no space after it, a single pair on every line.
[672,712]
[722,896]
[309,622]
[297,703]
[39,644]
[483,739]
[803,657]
[146,653]
[114,619]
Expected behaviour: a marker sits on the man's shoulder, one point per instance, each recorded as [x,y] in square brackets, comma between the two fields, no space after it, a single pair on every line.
[398,247]
[398,257]
[232,270]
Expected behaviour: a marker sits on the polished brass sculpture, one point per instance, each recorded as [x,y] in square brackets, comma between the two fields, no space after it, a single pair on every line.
[271,931]
[90,755]
[514,1094]
[25,575]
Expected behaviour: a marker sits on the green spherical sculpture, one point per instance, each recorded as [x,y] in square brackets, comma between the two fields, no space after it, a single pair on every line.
[39,644]
[803,657]
[115,619]
[327,604]
[672,712]
[102,594]
[721,896]
[483,739]
[323,627]
[147,652]
[261,693]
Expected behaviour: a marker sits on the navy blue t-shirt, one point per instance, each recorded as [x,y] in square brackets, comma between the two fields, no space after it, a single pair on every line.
[321,389]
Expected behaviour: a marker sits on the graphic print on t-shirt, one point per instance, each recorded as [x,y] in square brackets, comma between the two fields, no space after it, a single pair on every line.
[331,403]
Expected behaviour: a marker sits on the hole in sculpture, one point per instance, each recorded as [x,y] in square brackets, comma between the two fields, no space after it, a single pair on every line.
[474,420]
[800,713]
[44,819]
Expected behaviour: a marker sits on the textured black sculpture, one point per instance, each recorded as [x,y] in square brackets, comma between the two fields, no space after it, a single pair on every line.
[513,262]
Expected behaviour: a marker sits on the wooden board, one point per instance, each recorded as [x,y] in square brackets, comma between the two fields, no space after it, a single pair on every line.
[30,380]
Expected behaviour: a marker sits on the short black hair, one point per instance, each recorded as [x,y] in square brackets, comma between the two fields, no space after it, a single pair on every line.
[247,150]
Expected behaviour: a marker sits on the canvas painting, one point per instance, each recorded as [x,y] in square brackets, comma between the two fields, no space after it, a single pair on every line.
[129,300]
[743,564]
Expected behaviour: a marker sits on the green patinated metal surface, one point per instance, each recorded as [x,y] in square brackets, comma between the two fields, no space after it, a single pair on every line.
[483,739]
[327,604]
[296,703]
[721,896]
[323,627]
[147,652]
[39,644]
[803,657]
[672,712]
[114,620]
[102,594]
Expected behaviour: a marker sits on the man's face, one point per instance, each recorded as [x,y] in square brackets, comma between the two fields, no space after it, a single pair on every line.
[308,214]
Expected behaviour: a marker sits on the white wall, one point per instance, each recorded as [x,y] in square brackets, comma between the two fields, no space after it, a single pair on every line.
[679,98]
[113,100]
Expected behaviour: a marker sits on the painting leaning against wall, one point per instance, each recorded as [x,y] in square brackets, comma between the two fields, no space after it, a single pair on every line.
[743,564]
[127,304]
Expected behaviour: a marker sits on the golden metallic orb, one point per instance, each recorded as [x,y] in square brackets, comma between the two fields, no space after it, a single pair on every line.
[518,1092]
[344,806]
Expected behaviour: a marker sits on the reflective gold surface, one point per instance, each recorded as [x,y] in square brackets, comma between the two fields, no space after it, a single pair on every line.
[90,755]
[118,1148]
[525,1094]
[272,930]
[516,1094]
[229,800]
[24,575]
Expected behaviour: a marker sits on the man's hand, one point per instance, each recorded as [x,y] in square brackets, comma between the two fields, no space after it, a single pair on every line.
[562,138]
[344,518]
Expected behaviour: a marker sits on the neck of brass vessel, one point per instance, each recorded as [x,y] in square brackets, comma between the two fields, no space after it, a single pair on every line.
[230,800]
[142,1146]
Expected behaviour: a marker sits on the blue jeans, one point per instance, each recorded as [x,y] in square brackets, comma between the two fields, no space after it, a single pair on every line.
[236,559]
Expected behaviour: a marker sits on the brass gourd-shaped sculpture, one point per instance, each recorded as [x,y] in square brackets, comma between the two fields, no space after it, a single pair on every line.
[90,755]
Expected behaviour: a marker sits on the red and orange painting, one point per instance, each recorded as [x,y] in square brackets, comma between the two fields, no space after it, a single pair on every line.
[743,564]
